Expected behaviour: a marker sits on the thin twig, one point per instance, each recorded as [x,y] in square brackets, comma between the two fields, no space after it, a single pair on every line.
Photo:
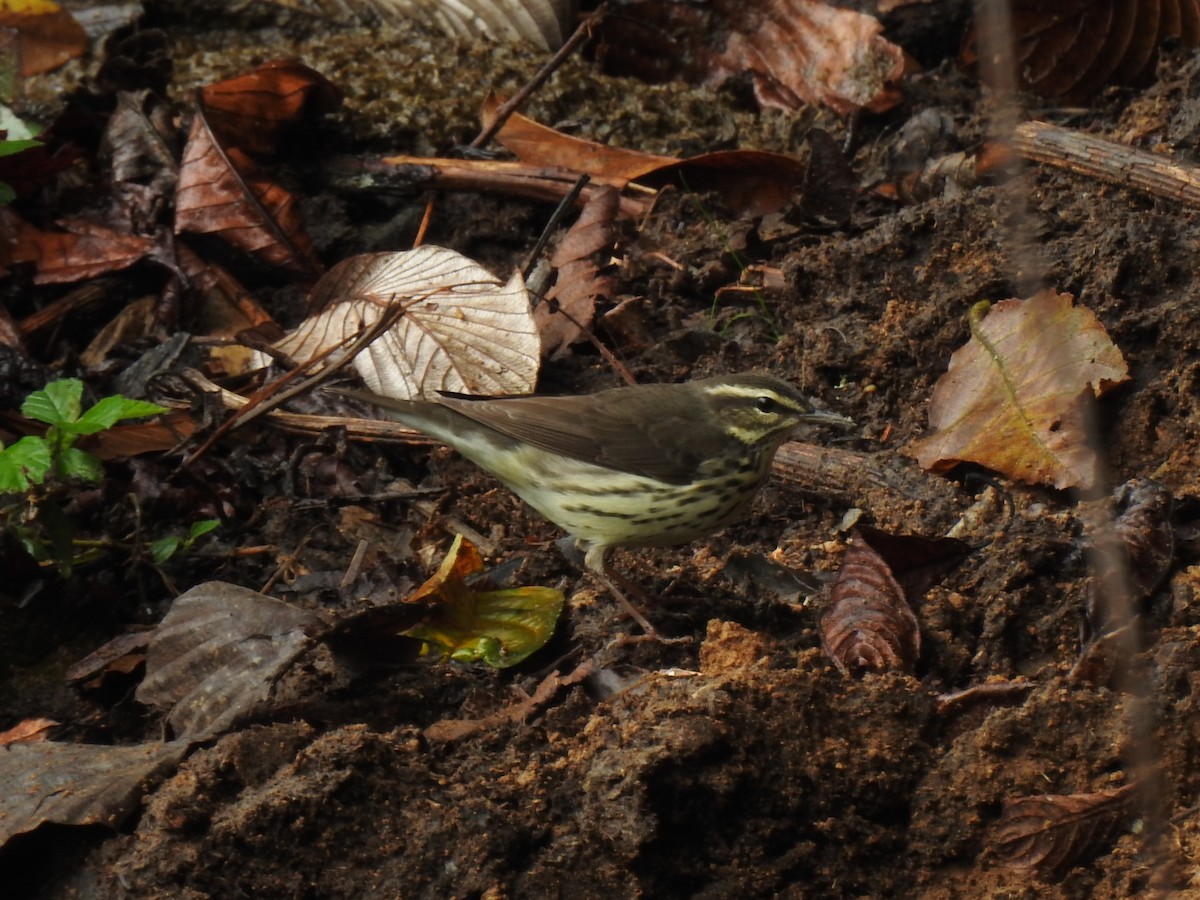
[582,33]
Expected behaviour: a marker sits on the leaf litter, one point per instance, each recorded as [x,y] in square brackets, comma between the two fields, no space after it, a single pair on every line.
[857,786]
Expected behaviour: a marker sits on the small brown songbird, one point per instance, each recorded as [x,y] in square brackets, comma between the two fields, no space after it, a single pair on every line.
[641,466]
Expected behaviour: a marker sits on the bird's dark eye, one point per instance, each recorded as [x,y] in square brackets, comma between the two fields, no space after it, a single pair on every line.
[766,404]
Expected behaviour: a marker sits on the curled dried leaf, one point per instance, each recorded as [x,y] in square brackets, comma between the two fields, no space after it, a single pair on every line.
[1071,49]
[869,624]
[571,302]
[1051,832]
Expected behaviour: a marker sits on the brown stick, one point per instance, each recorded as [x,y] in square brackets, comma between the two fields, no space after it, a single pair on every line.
[1107,161]
[885,483]
[516,179]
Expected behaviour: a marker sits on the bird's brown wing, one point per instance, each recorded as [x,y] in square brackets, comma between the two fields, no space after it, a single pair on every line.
[647,431]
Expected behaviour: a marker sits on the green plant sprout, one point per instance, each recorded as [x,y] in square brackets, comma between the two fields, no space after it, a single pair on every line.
[30,460]
[41,466]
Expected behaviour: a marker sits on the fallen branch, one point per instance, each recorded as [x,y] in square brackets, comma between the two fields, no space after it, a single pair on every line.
[1108,161]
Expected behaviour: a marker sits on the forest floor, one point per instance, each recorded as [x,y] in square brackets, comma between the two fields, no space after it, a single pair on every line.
[744,762]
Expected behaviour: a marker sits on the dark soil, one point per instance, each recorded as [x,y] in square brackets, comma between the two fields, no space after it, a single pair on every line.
[743,764]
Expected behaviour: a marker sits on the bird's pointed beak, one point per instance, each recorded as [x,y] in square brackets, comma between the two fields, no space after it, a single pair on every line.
[825,417]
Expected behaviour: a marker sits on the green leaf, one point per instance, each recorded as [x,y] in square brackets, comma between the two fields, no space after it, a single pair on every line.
[164,548]
[25,463]
[201,528]
[8,148]
[58,403]
[111,410]
[76,463]
[499,627]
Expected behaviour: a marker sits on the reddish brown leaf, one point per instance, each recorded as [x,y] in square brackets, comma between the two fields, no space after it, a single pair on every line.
[806,51]
[85,250]
[752,182]
[253,110]
[795,51]
[571,302]
[1053,831]
[164,433]
[223,193]
[1013,398]
[47,36]
[868,624]
[538,144]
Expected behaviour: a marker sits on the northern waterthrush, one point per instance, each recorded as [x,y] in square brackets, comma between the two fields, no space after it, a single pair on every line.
[641,466]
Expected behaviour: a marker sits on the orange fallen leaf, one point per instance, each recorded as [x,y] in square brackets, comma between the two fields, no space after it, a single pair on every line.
[85,249]
[222,192]
[46,35]
[252,110]
[27,731]
[1014,399]
[752,182]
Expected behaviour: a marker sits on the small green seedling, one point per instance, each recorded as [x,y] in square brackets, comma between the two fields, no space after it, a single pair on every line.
[42,466]
[165,547]
[32,459]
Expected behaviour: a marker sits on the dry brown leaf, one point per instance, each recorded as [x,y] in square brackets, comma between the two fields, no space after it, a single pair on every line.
[571,302]
[538,144]
[139,140]
[1014,398]
[164,433]
[462,329]
[1053,831]
[85,249]
[47,35]
[217,655]
[251,111]
[223,193]
[27,731]
[752,182]
[77,784]
[1073,48]
[806,51]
